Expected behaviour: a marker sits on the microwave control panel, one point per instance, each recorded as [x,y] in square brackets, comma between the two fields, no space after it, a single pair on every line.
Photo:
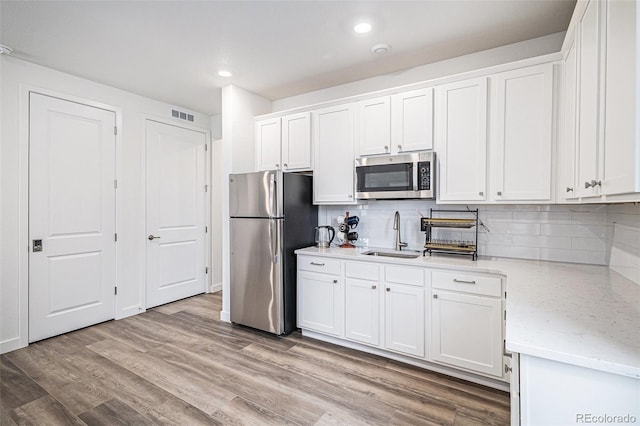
[424,176]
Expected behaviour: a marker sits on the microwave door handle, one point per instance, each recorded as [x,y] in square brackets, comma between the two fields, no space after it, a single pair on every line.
[416,169]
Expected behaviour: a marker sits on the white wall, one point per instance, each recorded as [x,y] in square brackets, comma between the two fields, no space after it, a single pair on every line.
[475,61]
[239,106]
[18,77]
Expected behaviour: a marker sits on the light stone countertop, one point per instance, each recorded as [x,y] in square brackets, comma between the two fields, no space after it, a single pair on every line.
[584,315]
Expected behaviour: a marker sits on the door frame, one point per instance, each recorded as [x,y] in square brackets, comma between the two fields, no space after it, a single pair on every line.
[23,199]
[207,201]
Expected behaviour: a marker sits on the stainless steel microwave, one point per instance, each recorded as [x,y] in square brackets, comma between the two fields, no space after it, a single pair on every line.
[400,176]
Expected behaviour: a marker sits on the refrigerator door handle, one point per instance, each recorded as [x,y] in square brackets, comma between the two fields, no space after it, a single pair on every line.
[272,195]
[273,237]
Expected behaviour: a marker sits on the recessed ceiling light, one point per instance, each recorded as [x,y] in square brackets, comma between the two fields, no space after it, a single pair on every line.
[224,73]
[362,28]
[381,49]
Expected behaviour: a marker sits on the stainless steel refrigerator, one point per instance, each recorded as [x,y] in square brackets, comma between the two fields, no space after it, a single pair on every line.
[271,215]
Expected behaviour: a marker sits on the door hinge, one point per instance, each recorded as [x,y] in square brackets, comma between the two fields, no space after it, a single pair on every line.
[206,188]
[115,183]
[115,290]
[505,315]
[115,237]
[115,130]
[206,270]
[205,147]
[206,229]
[505,294]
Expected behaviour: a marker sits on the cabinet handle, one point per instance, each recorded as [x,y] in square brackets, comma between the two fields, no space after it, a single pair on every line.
[335,281]
[374,287]
[569,189]
[435,296]
[455,280]
[507,369]
[317,264]
[388,289]
[596,183]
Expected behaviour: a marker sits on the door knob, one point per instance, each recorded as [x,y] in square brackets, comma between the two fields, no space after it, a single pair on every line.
[152,237]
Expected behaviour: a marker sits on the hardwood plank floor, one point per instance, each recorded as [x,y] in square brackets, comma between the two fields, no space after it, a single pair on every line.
[178,364]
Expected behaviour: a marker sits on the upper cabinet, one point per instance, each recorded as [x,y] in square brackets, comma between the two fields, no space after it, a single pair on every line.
[521,134]
[607,146]
[284,143]
[461,140]
[394,124]
[333,146]
[566,187]
[516,147]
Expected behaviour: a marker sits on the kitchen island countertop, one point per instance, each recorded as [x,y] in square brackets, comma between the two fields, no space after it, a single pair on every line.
[583,315]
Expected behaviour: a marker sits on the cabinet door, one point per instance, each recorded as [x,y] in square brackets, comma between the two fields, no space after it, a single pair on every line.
[412,120]
[296,142]
[621,162]
[522,134]
[466,331]
[404,319]
[461,140]
[320,302]
[567,141]
[268,144]
[362,311]
[333,147]
[588,100]
[374,126]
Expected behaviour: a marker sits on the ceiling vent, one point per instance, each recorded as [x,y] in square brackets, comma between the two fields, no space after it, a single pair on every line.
[181,115]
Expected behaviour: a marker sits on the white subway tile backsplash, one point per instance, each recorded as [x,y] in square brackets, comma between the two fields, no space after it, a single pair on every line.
[567,233]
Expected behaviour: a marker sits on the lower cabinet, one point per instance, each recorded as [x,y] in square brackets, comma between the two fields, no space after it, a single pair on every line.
[466,321]
[320,298]
[448,318]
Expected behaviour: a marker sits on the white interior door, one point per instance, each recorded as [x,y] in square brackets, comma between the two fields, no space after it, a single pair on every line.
[176,179]
[72,213]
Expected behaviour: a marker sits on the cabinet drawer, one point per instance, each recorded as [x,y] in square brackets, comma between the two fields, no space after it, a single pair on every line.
[404,275]
[319,264]
[467,283]
[363,270]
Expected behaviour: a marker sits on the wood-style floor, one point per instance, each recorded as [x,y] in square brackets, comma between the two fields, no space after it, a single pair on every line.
[178,364]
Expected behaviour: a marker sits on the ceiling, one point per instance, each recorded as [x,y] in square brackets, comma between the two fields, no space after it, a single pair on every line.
[172,50]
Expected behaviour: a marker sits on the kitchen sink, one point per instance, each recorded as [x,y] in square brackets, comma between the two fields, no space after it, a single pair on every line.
[409,254]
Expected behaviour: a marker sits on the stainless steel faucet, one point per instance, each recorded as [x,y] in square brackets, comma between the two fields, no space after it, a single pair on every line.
[396,227]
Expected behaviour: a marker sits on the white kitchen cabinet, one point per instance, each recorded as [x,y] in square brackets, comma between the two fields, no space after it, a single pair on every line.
[268,144]
[566,171]
[621,152]
[404,316]
[412,120]
[466,322]
[333,146]
[398,123]
[320,295]
[461,140]
[589,94]
[296,142]
[284,143]
[374,126]
[521,136]
[362,303]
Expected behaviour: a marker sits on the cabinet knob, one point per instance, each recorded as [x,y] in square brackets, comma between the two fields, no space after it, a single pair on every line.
[285,165]
[595,183]
[388,289]
[499,193]
[335,281]
[569,189]
[399,147]
[435,296]
[386,148]
[507,369]
[374,287]
[349,196]
[481,194]
[277,166]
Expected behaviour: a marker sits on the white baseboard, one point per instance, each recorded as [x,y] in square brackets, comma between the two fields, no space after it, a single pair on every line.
[215,288]
[225,316]
[10,345]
